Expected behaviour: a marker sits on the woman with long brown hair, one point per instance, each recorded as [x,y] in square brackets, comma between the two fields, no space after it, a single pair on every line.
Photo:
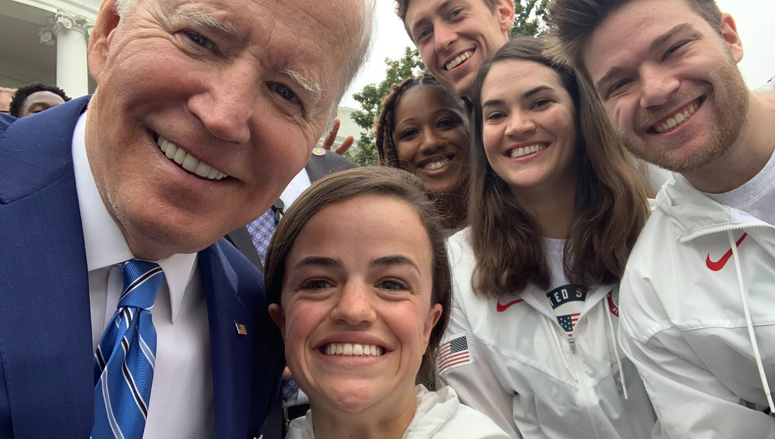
[555,208]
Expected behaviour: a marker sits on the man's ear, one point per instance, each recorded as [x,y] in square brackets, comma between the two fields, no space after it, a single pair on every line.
[101,35]
[731,37]
[504,12]
[277,315]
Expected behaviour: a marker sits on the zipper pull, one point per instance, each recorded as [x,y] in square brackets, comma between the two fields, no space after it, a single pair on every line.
[572,343]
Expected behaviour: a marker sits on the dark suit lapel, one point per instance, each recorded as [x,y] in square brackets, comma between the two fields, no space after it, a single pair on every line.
[241,239]
[232,353]
[45,325]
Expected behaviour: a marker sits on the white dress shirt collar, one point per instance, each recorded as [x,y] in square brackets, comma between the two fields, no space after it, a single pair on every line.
[104,242]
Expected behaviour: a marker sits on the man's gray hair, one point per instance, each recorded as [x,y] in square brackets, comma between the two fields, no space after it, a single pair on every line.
[360,54]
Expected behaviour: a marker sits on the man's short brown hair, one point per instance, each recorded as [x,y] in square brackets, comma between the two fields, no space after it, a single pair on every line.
[402,5]
[573,21]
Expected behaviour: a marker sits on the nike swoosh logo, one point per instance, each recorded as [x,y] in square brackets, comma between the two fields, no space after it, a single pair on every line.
[502,308]
[718,265]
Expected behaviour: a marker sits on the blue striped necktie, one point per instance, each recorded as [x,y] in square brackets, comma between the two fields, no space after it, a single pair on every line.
[126,356]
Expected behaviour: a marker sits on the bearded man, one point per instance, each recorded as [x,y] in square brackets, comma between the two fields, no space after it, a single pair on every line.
[696,298]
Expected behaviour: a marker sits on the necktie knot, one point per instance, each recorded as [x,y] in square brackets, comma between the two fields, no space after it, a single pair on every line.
[142,280]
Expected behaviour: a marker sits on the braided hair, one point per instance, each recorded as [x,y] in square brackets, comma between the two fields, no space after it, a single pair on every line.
[386,122]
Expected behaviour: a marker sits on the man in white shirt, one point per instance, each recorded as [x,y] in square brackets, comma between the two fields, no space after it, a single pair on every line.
[696,299]
[204,112]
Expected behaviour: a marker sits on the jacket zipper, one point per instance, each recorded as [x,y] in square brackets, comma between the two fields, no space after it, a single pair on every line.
[582,388]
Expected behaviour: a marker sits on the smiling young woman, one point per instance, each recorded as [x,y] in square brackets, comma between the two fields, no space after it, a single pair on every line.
[362,309]
[423,129]
[555,207]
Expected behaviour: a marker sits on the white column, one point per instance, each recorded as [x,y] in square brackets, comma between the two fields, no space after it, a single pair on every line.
[71,34]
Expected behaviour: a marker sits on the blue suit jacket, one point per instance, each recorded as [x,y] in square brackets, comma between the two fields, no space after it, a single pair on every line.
[46,357]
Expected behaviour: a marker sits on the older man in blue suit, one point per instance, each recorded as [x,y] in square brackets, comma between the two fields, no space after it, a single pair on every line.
[121,312]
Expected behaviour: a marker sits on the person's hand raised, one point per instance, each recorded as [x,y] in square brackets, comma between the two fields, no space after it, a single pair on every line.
[328,142]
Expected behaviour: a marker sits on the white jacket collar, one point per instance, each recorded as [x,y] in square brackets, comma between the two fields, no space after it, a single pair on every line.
[694,214]
[434,410]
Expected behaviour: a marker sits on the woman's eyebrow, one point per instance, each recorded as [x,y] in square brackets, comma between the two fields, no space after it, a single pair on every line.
[385,261]
[525,95]
[535,90]
[320,261]
[493,102]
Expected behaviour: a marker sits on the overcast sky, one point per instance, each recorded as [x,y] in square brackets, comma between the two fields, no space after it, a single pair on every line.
[755,22]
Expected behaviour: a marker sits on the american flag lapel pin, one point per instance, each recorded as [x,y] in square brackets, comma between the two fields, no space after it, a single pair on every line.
[240,329]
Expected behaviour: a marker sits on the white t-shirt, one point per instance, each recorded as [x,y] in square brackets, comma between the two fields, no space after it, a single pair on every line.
[567,302]
[756,197]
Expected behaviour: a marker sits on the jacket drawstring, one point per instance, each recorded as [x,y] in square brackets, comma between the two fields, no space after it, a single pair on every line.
[616,349]
[749,323]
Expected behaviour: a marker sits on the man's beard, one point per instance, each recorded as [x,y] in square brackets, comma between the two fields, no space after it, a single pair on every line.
[729,107]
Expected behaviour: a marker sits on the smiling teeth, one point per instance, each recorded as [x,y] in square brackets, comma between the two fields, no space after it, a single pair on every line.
[456,62]
[188,162]
[521,152]
[353,350]
[678,119]
[436,165]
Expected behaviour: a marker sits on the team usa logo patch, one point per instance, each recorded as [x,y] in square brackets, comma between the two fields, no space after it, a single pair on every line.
[567,303]
[453,353]
[568,322]
[611,305]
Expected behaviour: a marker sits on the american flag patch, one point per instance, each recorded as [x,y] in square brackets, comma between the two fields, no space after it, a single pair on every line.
[568,322]
[454,352]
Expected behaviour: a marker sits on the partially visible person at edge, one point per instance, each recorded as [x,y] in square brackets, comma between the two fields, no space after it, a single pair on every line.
[555,205]
[423,129]
[6,96]
[34,98]
[122,314]
[697,308]
[362,310]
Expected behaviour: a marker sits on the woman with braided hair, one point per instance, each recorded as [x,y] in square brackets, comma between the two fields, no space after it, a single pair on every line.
[423,129]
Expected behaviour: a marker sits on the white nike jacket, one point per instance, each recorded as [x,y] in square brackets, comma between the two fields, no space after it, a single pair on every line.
[439,415]
[511,360]
[697,270]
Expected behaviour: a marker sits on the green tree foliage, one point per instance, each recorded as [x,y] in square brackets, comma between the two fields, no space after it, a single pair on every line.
[528,20]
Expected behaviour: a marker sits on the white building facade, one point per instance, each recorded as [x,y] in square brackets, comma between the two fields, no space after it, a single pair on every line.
[45,41]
